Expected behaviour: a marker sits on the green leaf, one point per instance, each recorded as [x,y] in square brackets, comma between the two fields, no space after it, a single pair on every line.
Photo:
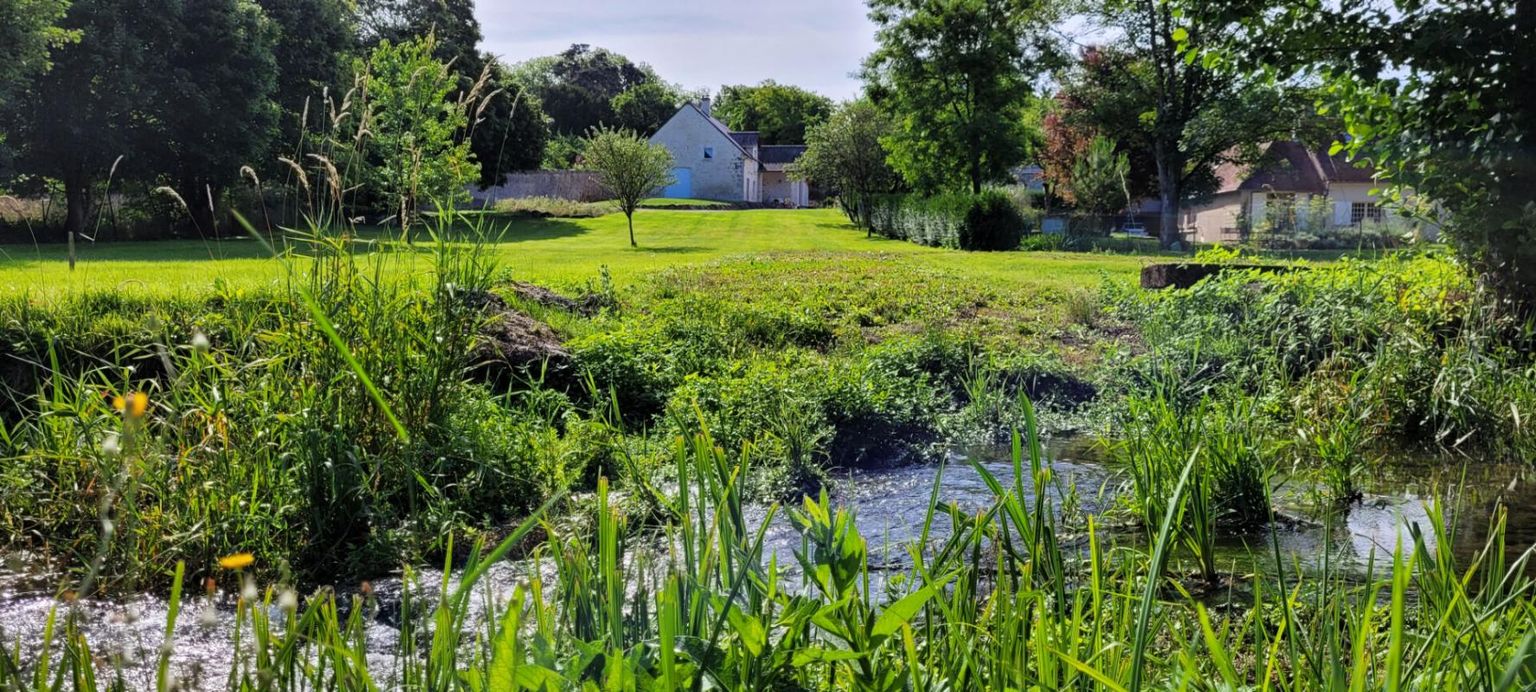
[902,611]
[1181,35]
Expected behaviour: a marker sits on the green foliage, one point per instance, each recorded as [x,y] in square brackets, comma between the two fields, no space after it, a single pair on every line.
[645,108]
[986,221]
[1192,114]
[846,157]
[955,75]
[510,131]
[261,436]
[1438,98]
[779,113]
[628,166]
[578,86]
[1427,358]
[180,90]
[416,135]
[316,40]
[1099,181]
[29,31]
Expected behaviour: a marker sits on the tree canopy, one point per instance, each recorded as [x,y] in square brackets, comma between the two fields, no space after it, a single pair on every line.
[845,155]
[779,113]
[628,166]
[956,75]
[578,86]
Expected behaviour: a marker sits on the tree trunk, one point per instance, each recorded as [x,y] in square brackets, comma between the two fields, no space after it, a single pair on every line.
[976,174]
[1168,195]
[77,197]
[631,217]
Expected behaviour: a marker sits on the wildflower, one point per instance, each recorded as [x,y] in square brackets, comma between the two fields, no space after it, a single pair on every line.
[133,405]
[200,341]
[237,561]
[111,446]
[248,591]
[288,600]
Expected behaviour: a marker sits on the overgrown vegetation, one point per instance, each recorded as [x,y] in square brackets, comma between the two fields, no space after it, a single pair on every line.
[985,221]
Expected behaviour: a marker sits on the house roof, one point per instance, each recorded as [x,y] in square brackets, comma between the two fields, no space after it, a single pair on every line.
[747,140]
[1290,166]
[781,153]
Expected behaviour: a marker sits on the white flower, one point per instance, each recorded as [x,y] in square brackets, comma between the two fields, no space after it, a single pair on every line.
[288,600]
[200,341]
[248,591]
[111,446]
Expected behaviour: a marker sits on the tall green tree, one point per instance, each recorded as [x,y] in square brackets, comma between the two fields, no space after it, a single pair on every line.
[1195,111]
[646,107]
[29,30]
[316,43]
[504,121]
[418,152]
[779,113]
[103,100]
[509,131]
[578,86]
[846,156]
[956,74]
[218,114]
[628,166]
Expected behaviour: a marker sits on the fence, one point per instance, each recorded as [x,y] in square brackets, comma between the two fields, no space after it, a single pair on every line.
[577,186]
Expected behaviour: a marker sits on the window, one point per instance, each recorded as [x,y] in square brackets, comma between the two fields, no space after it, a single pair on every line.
[1360,212]
[709,152]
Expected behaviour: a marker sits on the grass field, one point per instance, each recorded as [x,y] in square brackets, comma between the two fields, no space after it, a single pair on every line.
[557,252]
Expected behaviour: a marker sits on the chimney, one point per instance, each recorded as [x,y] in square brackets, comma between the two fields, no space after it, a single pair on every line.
[704,105]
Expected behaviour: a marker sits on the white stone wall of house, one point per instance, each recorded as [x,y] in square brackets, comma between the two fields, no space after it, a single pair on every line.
[716,164]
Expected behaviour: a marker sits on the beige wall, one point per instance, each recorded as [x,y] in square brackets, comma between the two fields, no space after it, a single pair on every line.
[777,185]
[1216,221]
[728,176]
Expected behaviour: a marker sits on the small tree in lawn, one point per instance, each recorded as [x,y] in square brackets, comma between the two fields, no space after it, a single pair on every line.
[628,166]
[1099,182]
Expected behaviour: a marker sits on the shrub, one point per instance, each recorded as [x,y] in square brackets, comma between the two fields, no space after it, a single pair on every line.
[555,207]
[988,221]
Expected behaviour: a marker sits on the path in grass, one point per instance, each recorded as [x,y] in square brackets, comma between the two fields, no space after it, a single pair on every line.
[560,252]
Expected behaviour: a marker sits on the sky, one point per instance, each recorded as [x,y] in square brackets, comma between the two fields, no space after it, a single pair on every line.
[815,44]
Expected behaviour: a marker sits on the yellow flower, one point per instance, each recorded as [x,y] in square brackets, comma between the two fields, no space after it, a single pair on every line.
[237,561]
[133,405]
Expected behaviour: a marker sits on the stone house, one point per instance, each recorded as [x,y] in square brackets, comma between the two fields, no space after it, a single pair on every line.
[1290,187]
[712,162]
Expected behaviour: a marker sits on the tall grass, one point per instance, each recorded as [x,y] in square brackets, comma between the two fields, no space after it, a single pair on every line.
[999,602]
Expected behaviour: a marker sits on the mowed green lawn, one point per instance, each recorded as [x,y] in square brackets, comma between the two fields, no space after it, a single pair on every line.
[558,252]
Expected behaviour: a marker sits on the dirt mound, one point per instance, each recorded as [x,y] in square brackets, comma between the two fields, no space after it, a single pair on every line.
[515,348]
[588,305]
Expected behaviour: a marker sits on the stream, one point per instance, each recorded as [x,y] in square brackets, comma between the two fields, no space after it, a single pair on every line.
[890,506]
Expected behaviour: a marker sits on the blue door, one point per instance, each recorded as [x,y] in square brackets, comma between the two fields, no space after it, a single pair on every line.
[682,186]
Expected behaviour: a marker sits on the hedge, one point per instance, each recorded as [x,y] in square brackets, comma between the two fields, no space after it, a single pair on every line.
[988,221]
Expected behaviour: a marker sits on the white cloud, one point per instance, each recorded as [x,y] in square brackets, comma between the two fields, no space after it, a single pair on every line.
[816,44]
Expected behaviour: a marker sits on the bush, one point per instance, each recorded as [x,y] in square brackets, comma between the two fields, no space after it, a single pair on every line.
[555,207]
[988,221]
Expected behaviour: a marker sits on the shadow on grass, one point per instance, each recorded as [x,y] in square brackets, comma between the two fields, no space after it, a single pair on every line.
[672,249]
[366,240]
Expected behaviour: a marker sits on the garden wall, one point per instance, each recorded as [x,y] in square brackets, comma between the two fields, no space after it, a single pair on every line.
[578,186]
